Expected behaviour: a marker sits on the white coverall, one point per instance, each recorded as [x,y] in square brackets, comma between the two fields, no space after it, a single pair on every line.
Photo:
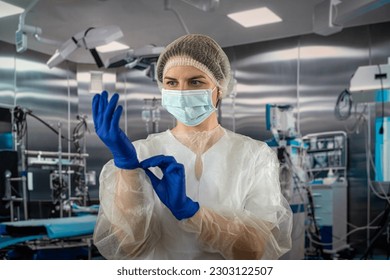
[235,179]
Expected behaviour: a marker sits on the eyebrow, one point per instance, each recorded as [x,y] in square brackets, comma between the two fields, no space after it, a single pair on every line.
[191,78]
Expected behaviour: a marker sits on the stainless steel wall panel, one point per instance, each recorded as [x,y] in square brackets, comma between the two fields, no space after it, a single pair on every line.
[50,94]
[264,76]
[7,75]
[322,79]
[37,89]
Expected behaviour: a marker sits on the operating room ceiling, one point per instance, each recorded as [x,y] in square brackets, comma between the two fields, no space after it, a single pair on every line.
[147,22]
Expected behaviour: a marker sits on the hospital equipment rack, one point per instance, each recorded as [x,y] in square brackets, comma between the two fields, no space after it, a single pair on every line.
[57,160]
[328,157]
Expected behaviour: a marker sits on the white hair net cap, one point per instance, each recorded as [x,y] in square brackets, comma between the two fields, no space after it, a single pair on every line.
[199,51]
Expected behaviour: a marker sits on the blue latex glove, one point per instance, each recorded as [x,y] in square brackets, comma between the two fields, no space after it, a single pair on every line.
[171,189]
[106,120]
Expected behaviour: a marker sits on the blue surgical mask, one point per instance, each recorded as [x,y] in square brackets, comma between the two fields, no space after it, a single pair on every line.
[190,107]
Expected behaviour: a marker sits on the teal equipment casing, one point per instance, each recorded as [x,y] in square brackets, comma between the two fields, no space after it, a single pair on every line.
[382,149]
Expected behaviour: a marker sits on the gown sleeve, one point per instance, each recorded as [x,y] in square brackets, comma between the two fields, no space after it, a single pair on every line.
[261,230]
[126,226]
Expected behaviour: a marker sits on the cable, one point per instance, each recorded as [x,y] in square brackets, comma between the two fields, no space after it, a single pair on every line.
[378,232]
[77,135]
[372,165]
[360,119]
[383,99]
[316,228]
[287,164]
[48,125]
[344,237]
[20,122]
[167,7]
[344,100]
[356,228]
[373,221]
[299,185]
[21,125]
[388,240]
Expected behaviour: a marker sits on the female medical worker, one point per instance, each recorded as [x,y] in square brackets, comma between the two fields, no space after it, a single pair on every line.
[197,191]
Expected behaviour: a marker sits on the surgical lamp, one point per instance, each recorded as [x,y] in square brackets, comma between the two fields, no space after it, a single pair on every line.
[204,5]
[88,39]
[144,58]
[132,58]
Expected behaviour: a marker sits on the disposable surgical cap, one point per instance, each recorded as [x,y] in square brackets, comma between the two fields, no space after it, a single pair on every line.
[201,52]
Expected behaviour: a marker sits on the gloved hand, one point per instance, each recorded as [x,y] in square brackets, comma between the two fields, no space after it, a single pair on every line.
[171,189]
[106,120]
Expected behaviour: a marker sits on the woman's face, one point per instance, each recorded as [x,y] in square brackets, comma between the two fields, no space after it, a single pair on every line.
[188,78]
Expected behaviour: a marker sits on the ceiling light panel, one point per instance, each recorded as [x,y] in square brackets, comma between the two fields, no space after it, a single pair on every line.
[112,47]
[7,9]
[255,17]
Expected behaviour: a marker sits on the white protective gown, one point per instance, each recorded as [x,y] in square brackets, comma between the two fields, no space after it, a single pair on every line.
[235,179]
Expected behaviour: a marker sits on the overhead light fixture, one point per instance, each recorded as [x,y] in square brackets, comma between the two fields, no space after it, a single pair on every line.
[89,39]
[255,17]
[140,58]
[7,9]
[368,83]
[112,47]
[204,5]
[371,77]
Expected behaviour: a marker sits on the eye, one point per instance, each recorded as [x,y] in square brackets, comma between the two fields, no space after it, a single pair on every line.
[171,83]
[196,83]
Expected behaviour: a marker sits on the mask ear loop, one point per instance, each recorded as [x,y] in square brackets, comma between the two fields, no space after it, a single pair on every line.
[218,99]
